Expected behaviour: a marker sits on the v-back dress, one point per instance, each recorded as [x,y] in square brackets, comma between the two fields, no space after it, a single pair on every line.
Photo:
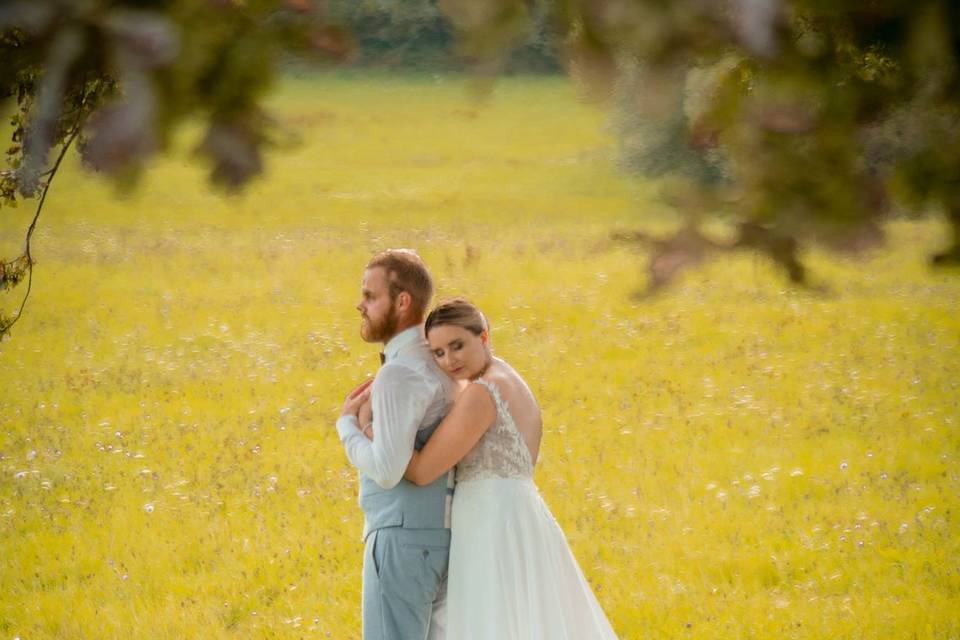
[512,575]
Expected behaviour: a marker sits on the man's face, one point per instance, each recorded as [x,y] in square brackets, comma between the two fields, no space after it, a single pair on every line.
[379,317]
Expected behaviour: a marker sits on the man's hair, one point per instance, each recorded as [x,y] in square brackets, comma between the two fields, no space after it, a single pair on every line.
[406,272]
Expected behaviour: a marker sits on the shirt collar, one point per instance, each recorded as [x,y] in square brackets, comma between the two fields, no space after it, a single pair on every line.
[403,339]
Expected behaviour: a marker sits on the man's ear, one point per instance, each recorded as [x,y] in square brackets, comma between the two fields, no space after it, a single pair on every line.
[403,302]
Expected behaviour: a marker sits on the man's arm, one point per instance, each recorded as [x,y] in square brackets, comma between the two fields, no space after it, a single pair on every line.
[400,399]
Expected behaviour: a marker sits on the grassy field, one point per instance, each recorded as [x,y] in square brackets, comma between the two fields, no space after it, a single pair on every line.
[736,459]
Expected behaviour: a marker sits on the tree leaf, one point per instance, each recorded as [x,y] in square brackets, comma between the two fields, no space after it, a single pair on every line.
[234,146]
[143,39]
[122,133]
[66,47]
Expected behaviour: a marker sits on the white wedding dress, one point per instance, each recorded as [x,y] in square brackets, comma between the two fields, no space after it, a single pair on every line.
[512,575]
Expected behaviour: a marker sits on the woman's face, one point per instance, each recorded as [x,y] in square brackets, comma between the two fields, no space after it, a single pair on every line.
[458,351]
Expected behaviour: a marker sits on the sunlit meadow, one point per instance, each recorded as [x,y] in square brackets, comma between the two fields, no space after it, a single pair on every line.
[735,459]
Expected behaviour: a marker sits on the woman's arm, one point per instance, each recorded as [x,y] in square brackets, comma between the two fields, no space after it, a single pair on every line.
[472,414]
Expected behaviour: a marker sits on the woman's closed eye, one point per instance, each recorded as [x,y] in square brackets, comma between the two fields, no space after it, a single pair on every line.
[456,345]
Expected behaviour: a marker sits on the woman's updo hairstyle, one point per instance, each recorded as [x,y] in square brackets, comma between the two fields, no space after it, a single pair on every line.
[459,312]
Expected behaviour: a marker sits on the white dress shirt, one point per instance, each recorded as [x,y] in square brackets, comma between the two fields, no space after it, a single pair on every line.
[410,392]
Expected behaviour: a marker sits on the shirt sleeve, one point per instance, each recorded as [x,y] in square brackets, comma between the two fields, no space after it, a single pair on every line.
[400,401]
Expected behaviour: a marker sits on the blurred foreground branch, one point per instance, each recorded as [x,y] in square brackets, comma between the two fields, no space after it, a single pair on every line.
[797,122]
[12,272]
[119,77]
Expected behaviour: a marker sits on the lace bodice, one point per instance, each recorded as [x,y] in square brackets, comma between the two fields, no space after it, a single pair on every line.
[501,452]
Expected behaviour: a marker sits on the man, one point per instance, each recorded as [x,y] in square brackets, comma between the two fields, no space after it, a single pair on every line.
[407,528]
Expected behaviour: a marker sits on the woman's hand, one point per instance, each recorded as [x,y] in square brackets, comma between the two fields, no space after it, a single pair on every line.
[365,418]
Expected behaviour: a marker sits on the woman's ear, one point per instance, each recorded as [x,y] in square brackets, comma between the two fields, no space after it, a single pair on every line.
[484,337]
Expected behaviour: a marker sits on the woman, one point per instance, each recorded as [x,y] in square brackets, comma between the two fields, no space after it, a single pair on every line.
[512,575]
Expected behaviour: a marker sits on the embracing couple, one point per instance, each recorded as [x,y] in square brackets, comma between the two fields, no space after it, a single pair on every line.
[459,543]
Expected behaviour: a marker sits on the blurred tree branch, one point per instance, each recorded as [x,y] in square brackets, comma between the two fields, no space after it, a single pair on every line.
[119,77]
[12,272]
[795,121]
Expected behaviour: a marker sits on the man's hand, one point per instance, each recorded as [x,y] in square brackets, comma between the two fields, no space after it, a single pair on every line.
[356,398]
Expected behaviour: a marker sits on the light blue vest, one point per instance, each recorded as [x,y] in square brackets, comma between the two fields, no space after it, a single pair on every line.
[405,505]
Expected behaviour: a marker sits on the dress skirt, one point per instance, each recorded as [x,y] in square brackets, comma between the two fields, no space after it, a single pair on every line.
[512,575]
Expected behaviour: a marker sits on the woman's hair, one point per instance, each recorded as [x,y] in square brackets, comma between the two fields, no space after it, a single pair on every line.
[459,312]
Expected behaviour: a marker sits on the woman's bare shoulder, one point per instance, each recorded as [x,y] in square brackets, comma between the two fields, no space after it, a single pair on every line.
[500,374]
[508,381]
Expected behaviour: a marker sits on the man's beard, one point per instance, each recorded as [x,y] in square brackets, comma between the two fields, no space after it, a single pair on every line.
[381,331]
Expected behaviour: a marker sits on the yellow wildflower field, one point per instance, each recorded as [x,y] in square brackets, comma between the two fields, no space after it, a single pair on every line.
[737,458]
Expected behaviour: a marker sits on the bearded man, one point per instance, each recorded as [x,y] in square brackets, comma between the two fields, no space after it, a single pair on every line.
[407,528]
